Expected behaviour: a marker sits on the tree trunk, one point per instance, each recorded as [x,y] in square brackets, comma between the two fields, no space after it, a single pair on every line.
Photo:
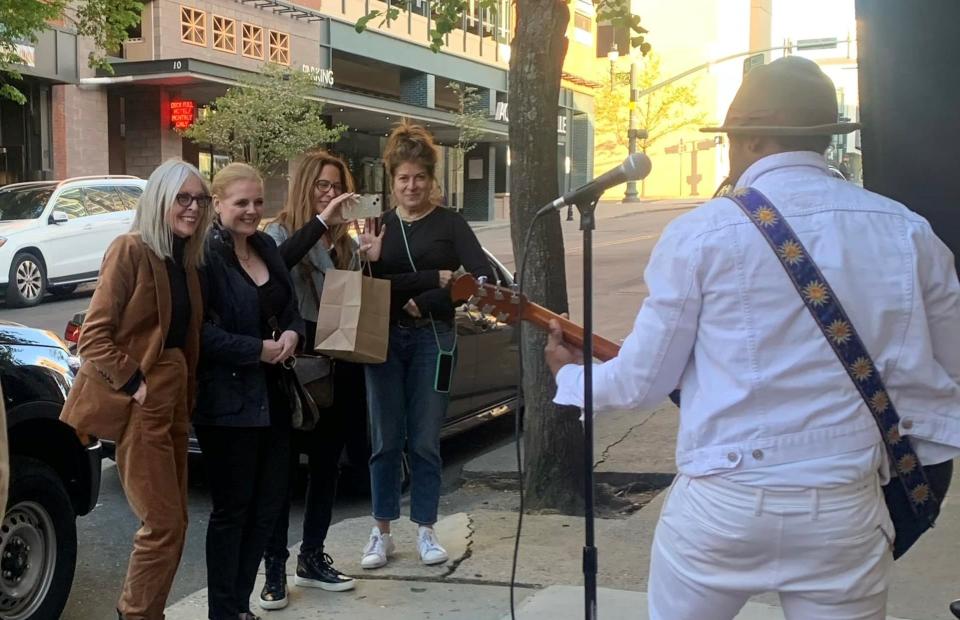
[553,437]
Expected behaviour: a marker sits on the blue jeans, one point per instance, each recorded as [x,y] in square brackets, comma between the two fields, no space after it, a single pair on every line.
[404,405]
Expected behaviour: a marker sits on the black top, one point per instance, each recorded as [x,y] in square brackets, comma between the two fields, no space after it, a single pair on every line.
[273,298]
[441,240]
[179,298]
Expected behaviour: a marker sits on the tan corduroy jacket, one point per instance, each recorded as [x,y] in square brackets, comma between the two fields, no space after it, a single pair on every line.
[124,331]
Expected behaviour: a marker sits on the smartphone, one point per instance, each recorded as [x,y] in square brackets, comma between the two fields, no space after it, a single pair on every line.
[363,206]
[444,375]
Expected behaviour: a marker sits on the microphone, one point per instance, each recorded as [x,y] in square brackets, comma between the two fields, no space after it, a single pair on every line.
[633,168]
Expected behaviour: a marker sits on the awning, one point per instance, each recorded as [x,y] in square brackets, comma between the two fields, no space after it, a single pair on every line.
[205,81]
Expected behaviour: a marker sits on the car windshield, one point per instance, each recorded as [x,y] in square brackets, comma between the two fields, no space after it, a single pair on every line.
[23,203]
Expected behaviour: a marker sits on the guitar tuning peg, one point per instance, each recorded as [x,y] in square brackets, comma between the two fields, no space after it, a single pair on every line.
[481,280]
[498,295]
[487,309]
[502,317]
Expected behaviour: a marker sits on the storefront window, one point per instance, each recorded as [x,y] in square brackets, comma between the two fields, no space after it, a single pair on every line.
[210,163]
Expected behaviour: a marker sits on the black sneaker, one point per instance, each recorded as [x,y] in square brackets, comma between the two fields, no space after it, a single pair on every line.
[315,570]
[274,592]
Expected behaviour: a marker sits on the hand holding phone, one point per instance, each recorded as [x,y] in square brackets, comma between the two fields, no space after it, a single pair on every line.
[363,206]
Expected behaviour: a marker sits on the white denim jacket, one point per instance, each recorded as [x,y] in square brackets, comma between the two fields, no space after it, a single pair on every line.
[761,386]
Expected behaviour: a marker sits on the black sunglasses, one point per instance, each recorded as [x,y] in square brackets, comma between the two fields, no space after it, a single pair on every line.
[185,199]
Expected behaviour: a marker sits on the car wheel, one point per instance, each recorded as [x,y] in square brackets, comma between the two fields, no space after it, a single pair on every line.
[38,544]
[63,290]
[28,281]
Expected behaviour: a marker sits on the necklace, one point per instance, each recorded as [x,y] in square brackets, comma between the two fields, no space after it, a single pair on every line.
[408,218]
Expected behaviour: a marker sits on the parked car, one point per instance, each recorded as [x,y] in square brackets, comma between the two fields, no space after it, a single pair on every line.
[54,477]
[53,234]
[484,382]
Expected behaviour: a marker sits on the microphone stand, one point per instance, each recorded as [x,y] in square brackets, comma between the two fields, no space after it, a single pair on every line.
[587,210]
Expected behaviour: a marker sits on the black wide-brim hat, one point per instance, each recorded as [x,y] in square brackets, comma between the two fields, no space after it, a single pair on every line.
[791,96]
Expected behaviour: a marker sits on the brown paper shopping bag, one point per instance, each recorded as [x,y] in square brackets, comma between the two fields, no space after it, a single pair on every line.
[354,319]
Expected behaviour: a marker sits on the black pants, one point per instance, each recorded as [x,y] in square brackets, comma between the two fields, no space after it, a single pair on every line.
[247,471]
[341,425]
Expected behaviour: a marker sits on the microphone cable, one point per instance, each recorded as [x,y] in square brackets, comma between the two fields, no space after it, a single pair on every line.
[517,437]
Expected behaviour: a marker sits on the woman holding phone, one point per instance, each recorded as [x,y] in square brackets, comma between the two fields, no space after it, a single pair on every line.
[423,244]
[321,183]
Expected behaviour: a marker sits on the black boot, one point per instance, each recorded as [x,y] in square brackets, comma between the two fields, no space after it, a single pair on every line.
[315,570]
[955,608]
[274,593]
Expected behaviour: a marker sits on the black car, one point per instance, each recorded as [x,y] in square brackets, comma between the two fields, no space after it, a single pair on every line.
[54,477]
[484,382]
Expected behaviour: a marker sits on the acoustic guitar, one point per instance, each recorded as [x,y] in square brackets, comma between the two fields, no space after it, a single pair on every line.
[508,306]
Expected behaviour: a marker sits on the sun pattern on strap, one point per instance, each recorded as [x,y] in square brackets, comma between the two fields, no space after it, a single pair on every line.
[920,493]
[816,293]
[879,402]
[766,217]
[906,464]
[842,337]
[840,332]
[893,435]
[790,252]
[861,369]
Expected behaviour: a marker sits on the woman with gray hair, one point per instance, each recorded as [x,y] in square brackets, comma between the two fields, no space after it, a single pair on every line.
[140,345]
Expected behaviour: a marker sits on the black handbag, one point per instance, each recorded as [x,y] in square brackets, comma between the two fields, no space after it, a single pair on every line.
[308,383]
[314,374]
[914,493]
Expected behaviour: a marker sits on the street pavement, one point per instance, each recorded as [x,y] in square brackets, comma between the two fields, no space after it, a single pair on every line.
[474,583]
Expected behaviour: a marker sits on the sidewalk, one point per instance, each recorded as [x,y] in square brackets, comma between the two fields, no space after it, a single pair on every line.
[631,447]
[609,209]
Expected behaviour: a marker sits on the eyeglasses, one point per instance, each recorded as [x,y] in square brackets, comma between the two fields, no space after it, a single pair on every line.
[185,199]
[324,186]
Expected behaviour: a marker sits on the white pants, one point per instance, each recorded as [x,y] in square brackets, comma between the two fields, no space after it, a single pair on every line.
[825,551]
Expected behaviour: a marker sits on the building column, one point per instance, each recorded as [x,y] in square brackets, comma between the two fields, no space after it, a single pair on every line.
[418,89]
[149,139]
[761,24]
[80,132]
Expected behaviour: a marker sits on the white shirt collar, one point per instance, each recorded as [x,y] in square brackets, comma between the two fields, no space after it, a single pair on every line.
[779,161]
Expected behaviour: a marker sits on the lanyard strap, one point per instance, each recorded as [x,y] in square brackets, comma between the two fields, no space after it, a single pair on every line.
[833,321]
[433,323]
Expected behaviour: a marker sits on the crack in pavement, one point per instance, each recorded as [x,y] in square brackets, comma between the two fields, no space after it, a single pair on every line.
[606,452]
[466,553]
[443,579]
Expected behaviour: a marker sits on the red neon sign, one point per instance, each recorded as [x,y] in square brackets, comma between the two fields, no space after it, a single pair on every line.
[182,113]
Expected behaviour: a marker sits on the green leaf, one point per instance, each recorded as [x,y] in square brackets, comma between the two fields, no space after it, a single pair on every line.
[361,24]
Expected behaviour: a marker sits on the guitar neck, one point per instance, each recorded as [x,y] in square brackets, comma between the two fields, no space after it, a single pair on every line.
[603,349]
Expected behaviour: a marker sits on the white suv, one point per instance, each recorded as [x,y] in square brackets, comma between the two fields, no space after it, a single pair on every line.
[53,234]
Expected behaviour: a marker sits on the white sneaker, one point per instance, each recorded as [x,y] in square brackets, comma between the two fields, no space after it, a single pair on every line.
[378,549]
[431,551]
